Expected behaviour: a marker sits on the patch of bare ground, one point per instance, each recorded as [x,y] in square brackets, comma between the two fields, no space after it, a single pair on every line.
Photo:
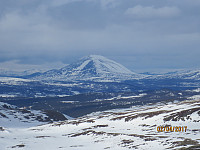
[37,129]
[90,121]
[196,147]
[60,123]
[2,129]
[74,122]
[131,146]
[100,126]
[87,133]
[162,136]
[144,137]
[114,134]
[76,146]
[2,115]
[97,126]
[92,132]
[185,143]
[126,142]
[107,114]
[144,125]
[99,117]
[42,136]
[147,114]
[196,130]
[97,141]
[18,146]
[81,121]
[190,102]
[87,128]
[181,115]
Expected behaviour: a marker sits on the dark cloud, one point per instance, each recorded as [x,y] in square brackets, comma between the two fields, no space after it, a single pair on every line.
[148,34]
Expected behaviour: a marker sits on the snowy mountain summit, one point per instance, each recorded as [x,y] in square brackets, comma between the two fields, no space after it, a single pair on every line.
[93,68]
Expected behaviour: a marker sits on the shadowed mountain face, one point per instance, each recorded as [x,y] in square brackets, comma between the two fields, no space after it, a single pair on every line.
[93,67]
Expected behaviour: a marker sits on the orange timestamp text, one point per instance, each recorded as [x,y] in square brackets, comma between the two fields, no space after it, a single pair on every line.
[172,129]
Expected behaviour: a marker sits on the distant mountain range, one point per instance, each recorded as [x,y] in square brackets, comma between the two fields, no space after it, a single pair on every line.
[184,74]
[11,73]
[99,69]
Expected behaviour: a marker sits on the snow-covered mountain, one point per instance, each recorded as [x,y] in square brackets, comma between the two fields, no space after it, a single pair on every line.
[187,74]
[138,127]
[12,116]
[93,67]
[179,74]
[12,73]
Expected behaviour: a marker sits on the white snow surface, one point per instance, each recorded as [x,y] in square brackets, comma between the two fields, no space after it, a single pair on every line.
[13,81]
[179,74]
[106,65]
[196,90]
[93,68]
[122,97]
[119,129]
[13,117]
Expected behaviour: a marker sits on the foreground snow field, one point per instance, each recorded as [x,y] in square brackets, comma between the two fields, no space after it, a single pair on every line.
[133,128]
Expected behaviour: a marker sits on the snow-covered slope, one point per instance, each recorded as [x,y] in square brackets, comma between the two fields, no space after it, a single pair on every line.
[183,74]
[12,116]
[12,73]
[190,74]
[93,67]
[121,129]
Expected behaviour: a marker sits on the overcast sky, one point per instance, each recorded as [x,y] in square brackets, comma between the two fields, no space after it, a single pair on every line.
[140,34]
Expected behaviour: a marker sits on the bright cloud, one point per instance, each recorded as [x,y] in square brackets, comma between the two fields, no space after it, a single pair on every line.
[152,12]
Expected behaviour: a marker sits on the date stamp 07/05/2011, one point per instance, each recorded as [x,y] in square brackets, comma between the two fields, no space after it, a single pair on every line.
[172,129]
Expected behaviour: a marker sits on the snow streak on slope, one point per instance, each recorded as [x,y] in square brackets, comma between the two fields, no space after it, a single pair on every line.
[93,68]
[134,128]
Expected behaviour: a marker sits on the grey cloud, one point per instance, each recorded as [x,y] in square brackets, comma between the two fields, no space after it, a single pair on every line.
[64,30]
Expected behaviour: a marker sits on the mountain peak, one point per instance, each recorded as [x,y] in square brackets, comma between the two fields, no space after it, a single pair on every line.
[96,56]
[92,67]
[103,65]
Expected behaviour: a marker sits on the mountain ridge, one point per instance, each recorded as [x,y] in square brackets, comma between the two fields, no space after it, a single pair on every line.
[97,68]
[92,67]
